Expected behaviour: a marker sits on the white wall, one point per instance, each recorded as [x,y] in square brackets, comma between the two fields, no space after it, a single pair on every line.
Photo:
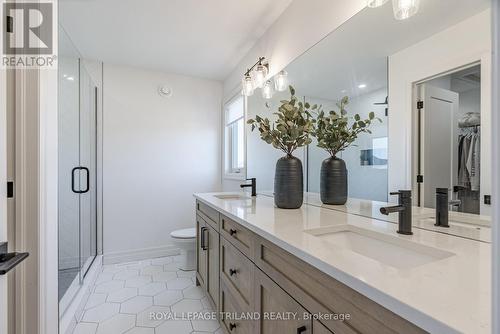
[462,44]
[288,38]
[157,152]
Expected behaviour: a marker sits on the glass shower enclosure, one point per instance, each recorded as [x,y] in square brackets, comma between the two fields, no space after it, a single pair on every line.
[77,130]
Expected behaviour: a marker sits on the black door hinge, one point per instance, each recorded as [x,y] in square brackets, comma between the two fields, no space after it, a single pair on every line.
[10,189]
[420,179]
[487,199]
[10,24]
[420,104]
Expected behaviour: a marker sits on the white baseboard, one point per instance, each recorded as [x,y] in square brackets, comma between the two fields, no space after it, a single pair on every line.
[139,254]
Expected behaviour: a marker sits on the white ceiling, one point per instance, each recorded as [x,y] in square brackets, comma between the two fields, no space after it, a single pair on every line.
[356,53]
[203,38]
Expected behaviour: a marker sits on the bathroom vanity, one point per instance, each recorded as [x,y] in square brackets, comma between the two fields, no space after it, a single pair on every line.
[328,271]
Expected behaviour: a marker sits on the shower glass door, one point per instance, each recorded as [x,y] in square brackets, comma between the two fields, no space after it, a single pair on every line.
[77,110]
[88,163]
[69,157]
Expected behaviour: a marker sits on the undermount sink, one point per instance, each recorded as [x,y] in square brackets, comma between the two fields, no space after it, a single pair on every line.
[387,249]
[231,196]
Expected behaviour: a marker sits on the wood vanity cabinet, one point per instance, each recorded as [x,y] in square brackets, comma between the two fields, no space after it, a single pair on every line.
[213,266]
[201,251]
[207,251]
[280,313]
[243,272]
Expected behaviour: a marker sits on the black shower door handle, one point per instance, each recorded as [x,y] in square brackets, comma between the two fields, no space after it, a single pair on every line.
[79,191]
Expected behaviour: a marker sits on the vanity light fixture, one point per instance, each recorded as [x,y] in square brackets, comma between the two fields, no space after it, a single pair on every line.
[375,3]
[247,85]
[281,81]
[268,90]
[259,75]
[404,9]
[255,77]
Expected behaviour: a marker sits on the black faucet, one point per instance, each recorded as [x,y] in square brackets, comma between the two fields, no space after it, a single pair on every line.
[253,185]
[404,210]
[442,206]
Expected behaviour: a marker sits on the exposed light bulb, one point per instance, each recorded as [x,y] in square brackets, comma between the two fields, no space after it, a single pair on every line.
[404,9]
[268,90]
[375,3]
[259,75]
[281,81]
[247,86]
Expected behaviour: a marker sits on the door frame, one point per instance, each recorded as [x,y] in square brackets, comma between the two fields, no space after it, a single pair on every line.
[36,200]
[3,196]
[495,124]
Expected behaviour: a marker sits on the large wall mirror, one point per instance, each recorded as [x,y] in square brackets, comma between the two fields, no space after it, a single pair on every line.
[428,79]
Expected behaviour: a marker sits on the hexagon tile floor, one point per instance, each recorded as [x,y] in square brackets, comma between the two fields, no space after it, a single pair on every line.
[125,297]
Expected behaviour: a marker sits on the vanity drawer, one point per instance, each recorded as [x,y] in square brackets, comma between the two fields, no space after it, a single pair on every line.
[229,306]
[210,215]
[237,271]
[320,293]
[240,237]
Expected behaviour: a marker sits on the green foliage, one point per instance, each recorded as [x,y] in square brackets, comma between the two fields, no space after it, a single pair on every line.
[333,132]
[293,127]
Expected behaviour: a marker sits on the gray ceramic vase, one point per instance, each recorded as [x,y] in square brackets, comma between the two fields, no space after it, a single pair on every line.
[333,182]
[288,183]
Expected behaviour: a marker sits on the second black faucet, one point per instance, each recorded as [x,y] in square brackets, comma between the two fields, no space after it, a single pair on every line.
[253,185]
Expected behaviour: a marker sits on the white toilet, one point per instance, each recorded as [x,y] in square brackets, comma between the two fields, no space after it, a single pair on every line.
[185,239]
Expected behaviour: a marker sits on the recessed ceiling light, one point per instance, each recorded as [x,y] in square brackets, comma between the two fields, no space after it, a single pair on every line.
[343,91]
[362,86]
[70,78]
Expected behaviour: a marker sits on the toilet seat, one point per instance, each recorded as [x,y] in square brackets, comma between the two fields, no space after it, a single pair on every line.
[187,233]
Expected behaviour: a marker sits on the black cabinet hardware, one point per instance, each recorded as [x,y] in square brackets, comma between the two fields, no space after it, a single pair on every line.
[301,330]
[204,245]
[232,272]
[232,232]
[232,326]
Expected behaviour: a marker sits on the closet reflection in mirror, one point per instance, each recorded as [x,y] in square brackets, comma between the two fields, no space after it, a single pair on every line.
[449,147]
[386,69]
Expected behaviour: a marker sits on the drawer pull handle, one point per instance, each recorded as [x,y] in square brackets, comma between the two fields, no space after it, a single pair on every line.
[232,232]
[301,330]
[232,272]
[232,326]
[204,245]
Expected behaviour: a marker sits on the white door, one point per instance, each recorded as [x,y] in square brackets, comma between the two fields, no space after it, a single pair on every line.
[438,139]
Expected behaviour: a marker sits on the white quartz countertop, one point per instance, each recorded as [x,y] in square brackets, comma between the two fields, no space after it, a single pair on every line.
[448,295]
[461,224]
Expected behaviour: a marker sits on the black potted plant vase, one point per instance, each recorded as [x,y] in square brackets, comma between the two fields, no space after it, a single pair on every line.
[288,183]
[333,181]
